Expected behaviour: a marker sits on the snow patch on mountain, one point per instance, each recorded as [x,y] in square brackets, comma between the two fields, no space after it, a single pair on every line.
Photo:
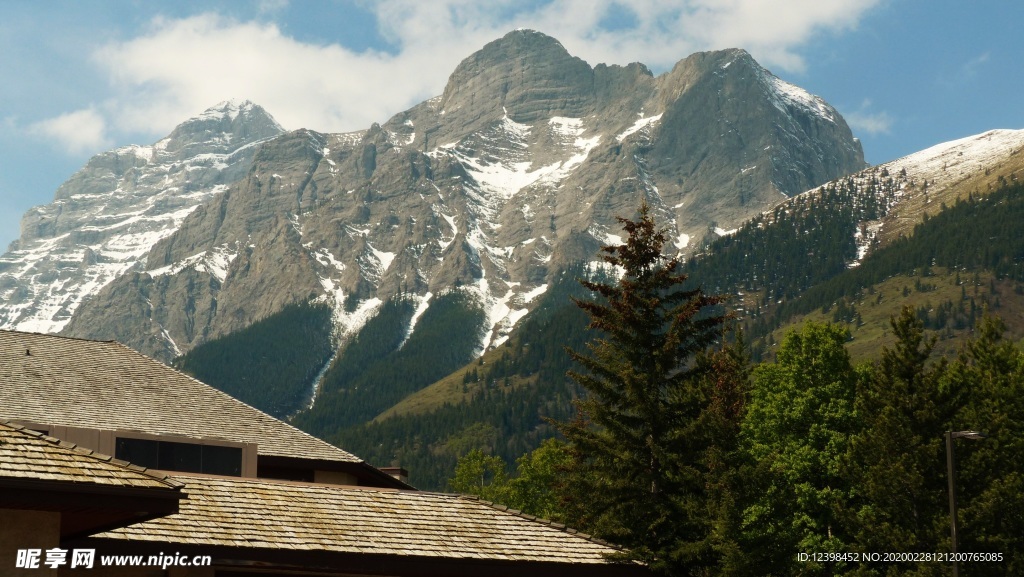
[324,257]
[536,292]
[374,263]
[423,303]
[795,96]
[567,128]
[444,244]
[498,323]
[641,124]
[384,258]
[864,236]
[959,158]
[606,238]
[215,262]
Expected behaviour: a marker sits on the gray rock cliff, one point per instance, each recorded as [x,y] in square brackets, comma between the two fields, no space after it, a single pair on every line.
[518,169]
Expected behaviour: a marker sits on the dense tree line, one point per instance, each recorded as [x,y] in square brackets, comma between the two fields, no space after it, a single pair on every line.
[271,364]
[797,245]
[504,421]
[977,233]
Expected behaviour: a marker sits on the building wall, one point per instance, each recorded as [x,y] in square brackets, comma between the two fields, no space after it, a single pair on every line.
[27,530]
[334,478]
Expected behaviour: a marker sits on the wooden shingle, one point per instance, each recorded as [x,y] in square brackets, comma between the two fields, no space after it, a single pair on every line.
[267,514]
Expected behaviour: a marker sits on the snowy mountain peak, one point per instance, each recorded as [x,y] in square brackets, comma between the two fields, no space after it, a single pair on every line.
[107,216]
[516,172]
[234,108]
[220,128]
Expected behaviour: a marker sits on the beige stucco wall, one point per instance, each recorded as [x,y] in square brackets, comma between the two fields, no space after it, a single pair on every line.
[27,530]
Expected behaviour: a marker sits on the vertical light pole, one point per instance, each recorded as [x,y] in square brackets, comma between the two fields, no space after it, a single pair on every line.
[951,475]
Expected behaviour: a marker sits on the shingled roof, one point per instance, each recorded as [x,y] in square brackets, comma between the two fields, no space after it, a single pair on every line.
[92,492]
[345,524]
[26,454]
[54,380]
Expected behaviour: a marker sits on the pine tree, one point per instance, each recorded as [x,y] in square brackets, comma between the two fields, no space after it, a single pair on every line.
[897,461]
[637,463]
[989,374]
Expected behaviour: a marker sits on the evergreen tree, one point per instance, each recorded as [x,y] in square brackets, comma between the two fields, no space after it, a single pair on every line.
[642,474]
[722,464]
[897,460]
[989,373]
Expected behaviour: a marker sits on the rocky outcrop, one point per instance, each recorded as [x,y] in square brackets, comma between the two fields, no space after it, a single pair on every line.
[518,169]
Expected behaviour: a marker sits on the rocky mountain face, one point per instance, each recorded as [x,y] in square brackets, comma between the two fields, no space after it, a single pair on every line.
[106,217]
[517,170]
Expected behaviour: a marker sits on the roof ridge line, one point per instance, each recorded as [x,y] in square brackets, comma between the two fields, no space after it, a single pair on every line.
[57,335]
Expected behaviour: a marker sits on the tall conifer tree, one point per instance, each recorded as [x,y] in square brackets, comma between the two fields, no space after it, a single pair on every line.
[641,465]
[989,374]
[897,461]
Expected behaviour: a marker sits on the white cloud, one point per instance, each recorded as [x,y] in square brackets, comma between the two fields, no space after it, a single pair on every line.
[77,132]
[664,32]
[970,69]
[178,67]
[183,66]
[863,120]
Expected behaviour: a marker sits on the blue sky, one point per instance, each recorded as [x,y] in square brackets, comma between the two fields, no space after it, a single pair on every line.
[80,77]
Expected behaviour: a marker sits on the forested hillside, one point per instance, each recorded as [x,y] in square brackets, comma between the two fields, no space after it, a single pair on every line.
[800,243]
[271,364]
[981,237]
[501,404]
[385,363]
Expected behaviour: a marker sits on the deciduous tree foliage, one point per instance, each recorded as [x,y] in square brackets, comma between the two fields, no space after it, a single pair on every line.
[989,377]
[536,487]
[478,473]
[798,426]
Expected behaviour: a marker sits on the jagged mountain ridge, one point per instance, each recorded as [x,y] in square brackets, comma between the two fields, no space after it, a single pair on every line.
[107,216]
[518,169]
